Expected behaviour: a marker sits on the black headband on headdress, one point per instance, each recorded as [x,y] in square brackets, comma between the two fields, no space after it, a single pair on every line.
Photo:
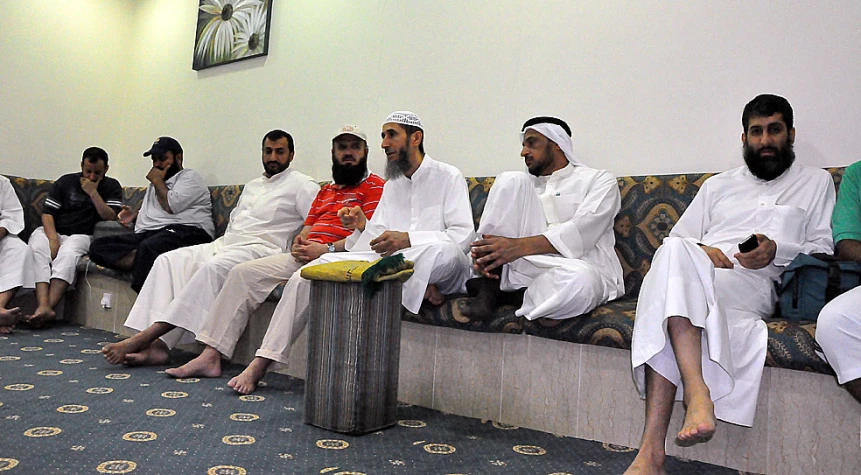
[547,120]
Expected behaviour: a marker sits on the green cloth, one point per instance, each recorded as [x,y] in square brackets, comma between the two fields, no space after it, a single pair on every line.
[846,220]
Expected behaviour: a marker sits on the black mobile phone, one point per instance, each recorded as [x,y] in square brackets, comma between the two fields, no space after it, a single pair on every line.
[748,244]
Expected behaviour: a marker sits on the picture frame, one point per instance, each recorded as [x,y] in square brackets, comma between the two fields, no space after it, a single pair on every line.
[231,30]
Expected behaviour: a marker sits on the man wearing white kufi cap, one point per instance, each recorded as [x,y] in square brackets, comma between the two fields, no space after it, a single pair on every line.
[424,214]
[550,231]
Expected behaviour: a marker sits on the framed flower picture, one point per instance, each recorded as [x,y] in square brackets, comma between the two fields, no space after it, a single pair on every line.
[231,30]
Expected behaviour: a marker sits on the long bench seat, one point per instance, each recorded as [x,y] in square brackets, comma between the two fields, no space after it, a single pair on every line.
[470,373]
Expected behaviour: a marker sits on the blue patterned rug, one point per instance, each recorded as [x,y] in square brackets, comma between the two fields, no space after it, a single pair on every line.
[65,410]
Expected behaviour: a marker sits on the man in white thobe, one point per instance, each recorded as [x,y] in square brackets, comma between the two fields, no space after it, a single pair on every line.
[838,328]
[182,285]
[424,214]
[699,334]
[549,230]
[16,258]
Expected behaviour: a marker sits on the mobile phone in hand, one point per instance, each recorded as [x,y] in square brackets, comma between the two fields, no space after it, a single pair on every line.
[748,244]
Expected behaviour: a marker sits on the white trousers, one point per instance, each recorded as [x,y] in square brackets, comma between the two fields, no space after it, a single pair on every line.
[16,264]
[557,287]
[728,304]
[247,286]
[62,267]
[183,284]
[442,264]
[838,332]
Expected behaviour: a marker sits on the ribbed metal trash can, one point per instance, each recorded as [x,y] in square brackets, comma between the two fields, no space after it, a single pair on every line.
[351,384]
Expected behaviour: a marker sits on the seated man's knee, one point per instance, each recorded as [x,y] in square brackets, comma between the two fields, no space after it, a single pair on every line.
[513,180]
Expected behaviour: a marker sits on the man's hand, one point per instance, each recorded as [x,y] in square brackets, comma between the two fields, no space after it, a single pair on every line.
[390,242]
[760,257]
[490,252]
[353,218]
[155,175]
[90,187]
[54,245]
[305,251]
[127,216]
[719,259]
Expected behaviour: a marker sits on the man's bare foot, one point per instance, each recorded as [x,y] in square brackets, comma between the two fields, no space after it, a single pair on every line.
[699,425]
[116,353]
[206,365]
[154,355]
[246,381]
[434,296]
[42,316]
[8,319]
[646,463]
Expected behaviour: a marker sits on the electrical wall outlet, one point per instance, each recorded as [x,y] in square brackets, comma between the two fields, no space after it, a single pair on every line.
[107,300]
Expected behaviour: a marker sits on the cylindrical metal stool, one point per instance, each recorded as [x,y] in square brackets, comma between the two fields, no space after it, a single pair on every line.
[351,384]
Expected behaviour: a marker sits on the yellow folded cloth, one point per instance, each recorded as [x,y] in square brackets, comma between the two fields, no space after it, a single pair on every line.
[388,268]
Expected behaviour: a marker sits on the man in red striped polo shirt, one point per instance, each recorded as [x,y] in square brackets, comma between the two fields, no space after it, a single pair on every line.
[249,283]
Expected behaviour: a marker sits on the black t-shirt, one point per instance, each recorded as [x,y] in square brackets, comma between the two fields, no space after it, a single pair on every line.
[73,210]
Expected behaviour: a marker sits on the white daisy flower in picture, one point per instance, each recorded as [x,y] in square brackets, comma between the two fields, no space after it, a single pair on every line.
[250,40]
[217,24]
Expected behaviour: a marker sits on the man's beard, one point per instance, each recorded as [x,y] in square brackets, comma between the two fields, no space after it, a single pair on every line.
[274,167]
[172,170]
[539,167]
[768,168]
[397,168]
[349,174]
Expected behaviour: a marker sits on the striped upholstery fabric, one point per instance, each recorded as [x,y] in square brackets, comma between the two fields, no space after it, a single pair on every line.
[351,384]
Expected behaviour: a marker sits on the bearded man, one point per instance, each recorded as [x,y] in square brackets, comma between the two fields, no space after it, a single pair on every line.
[179,292]
[424,214]
[249,283]
[550,231]
[176,212]
[699,336]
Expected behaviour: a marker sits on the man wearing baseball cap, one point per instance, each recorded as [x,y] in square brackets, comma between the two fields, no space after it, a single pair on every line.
[249,283]
[176,212]
[424,214]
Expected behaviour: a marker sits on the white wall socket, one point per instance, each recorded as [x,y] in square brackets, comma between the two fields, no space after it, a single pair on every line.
[107,300]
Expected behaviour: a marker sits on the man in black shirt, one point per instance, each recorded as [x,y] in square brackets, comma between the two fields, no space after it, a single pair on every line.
[74,205]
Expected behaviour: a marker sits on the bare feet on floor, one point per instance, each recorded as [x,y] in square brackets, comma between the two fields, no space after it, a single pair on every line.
[434,296]
[206,365]
[8,319]
[42,316]
[699,425]
[154,355]
[647,464]
[119,352]
[246,381]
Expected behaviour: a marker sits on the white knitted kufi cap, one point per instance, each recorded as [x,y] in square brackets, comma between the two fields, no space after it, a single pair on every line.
[404,118]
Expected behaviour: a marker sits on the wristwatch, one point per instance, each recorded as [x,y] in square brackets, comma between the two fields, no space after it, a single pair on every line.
[331,247]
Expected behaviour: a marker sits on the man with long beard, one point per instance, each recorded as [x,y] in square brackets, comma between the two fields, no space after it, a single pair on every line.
[424,214]
[248,284]
[180,290]
[699,335]
[176,212]
[549,231]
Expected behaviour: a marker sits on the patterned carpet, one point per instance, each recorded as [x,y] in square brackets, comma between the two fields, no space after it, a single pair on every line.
[65,410]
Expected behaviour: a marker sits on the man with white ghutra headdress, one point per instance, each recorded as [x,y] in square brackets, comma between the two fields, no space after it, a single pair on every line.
[424,214]
[549,231]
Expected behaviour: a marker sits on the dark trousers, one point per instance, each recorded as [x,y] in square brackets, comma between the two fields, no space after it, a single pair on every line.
[107,251]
